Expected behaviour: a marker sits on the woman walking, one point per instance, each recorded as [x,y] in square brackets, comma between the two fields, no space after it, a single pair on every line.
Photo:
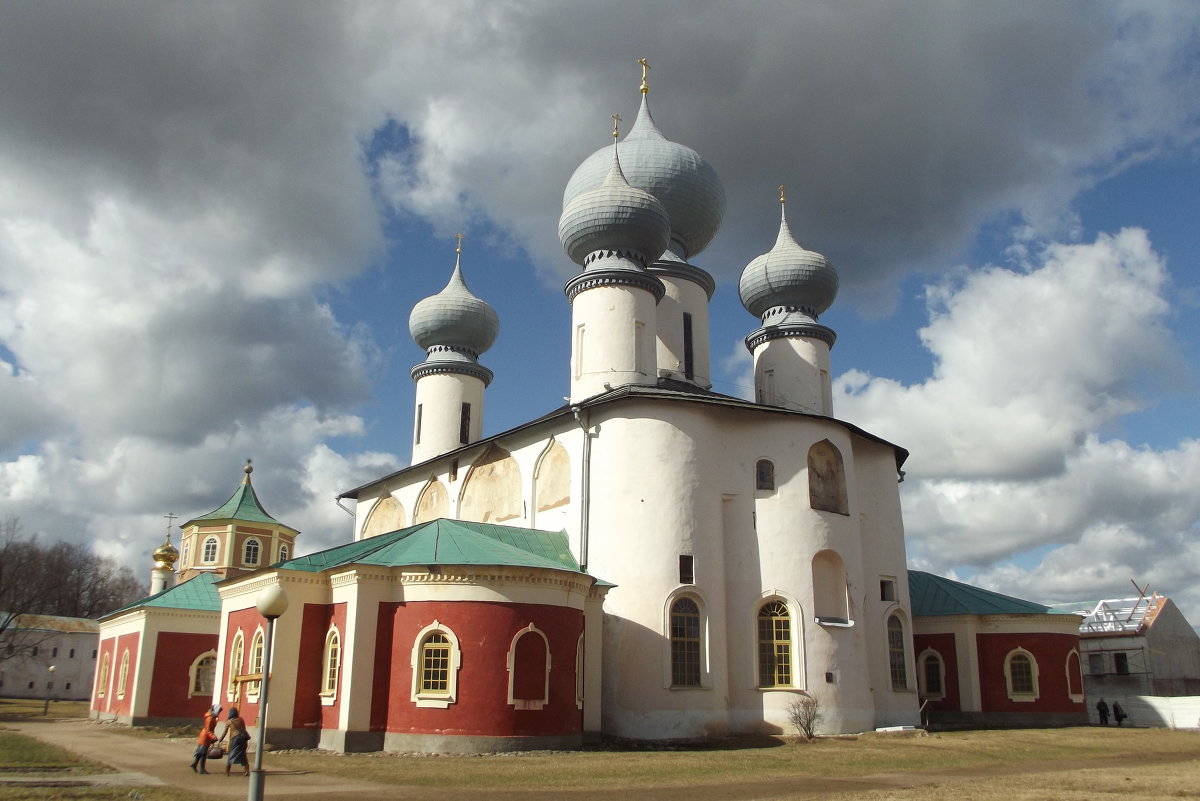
[235,729]
[206,738]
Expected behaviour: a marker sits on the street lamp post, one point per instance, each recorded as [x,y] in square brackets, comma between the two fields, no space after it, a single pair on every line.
[271,603]
[49,687]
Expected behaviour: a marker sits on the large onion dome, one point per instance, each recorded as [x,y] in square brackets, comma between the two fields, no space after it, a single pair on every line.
[685,184]
[788,276]
[454,318]
[166,554]
[614,217]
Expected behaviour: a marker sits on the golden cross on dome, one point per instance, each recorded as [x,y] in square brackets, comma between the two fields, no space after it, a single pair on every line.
[616,118]
[782,194]
[459,237]
[645,70]
[170,520]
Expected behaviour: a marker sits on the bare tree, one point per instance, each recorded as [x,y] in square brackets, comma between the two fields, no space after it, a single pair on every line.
[804,712]
[64,579]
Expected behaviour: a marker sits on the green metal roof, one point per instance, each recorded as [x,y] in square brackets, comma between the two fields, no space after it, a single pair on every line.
[448,542]
[196,593]
[243,505]
[934,595]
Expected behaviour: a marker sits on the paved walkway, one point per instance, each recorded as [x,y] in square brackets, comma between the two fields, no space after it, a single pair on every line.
[144,762]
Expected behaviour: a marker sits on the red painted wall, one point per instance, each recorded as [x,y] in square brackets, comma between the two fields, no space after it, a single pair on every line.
[173,660]
[248,620]
[309,712]
[111,702]
[484,631]
[945,647]
[1050,651]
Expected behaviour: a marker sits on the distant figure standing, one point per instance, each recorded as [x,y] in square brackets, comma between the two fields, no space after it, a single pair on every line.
[1118,713]
[1102,710]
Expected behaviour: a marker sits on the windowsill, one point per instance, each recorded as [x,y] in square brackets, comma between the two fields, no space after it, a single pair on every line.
[528,704]
[687,687]
[433,701]
[1023,698]
[328,699]
[783,688]
[834,622]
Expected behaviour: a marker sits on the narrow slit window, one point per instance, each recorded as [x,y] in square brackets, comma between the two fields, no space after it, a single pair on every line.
[464,424]
[689,353]
[687,568]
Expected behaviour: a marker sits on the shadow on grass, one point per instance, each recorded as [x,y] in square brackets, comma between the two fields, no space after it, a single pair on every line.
[739,743]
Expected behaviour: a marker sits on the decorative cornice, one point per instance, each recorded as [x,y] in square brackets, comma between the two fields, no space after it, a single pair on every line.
[472,369]
[614,253]
[599,278]
[788,330]
[688,272]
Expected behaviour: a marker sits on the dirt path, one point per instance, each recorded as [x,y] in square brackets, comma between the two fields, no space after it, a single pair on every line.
[141,762]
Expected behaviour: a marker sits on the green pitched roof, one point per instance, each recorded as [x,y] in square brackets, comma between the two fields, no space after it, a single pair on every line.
[243,505]
[196,593]
[448,542]
[934,595]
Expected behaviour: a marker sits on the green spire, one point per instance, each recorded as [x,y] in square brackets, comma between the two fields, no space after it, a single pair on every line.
[243,505]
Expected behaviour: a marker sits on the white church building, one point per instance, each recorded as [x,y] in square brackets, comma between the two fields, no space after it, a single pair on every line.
[651,560]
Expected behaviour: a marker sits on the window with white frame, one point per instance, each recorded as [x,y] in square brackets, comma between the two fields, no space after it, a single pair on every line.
[1021,675]
[202,674]
[330,664]
[579,673]
[103,682]
[256,663]
[283,553]
[931,675]
[435,661]
[251,549]
[123,676]
[236,651]
[210,550]
[187,552]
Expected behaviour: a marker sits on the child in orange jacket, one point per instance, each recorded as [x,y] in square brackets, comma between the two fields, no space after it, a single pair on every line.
[206,738]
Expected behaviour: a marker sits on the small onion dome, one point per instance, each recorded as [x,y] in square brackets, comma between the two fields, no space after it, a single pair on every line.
[788,276]
[614,217]
[686,185]
[454,318]
[166,555]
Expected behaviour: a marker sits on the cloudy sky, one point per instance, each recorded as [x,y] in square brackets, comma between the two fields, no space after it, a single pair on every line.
[216,217]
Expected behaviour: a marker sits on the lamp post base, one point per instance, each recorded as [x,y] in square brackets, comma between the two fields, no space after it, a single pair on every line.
[258,780]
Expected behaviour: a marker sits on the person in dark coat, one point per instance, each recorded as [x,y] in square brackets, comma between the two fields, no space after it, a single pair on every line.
[1118,713]
[1102,711]
[235,730]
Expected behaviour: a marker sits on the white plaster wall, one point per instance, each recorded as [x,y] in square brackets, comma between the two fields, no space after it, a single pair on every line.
[613,339]
[683,296]
[799,375]
[440,397]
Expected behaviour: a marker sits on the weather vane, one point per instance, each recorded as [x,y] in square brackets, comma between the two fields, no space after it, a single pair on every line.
[645,70]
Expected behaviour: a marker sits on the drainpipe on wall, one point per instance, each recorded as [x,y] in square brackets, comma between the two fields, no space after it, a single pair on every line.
[586,491]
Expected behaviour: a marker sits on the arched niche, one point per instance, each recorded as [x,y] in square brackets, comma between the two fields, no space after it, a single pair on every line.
[386,515]
[433,503]
[492,490]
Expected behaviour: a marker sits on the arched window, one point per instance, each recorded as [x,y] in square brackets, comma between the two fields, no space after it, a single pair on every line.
[123,676]
[436,659]
[283,553]
[774,645]
[529,669]
[764,474]
[103,682]
[1021,675]
[250,551]
[827,479]
[187,552]
[685,643]
[1074,677]
[210,550]
[235,666]
[897,662]
[579,673]
[256,663]
[931,675]
[202,674]
[330,662]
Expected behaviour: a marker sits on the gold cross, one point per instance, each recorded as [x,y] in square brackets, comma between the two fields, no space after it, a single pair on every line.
[616,118]
[459,237]
[782,195]
[645,69]
[170,520]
